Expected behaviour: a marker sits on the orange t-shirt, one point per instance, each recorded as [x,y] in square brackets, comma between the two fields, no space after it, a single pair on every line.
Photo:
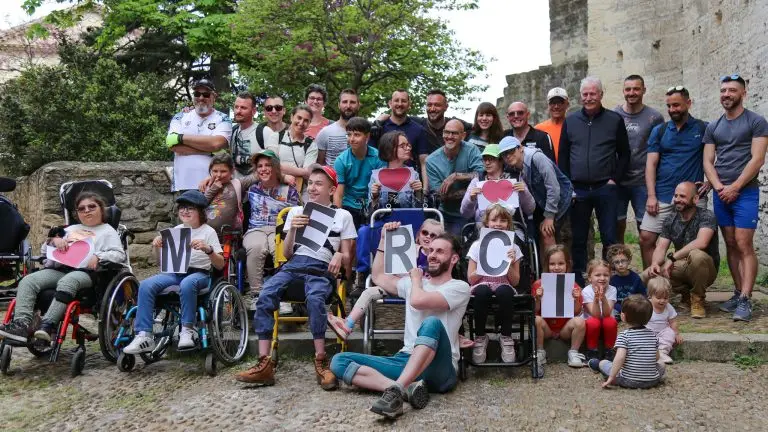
[555,324]
[553,130]
[313,130]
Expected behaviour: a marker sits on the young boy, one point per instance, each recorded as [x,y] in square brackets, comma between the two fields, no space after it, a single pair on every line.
[625,280]
[636,364]
[315,269]
[354,167]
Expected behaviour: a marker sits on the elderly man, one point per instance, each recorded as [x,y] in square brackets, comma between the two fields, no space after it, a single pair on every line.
[594,154]
[450,169]
[692,267]
[194,135]
[557,107]
[518,116]
[734,152]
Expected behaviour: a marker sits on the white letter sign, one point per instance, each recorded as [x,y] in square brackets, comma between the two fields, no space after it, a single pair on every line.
[494,245]
[399,250]
[557,301]
[176,250]
[316,232]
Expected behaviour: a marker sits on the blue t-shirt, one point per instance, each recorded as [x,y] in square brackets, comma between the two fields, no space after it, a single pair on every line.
[626,286]
[681,156]
[355,174]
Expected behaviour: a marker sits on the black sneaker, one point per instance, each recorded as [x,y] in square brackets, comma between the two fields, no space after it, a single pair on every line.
[609,354]
[390,404]
[418,395]
[46,331]
[16,331]
[593,354]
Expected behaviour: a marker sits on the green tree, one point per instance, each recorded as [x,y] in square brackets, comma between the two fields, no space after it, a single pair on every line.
[88,108]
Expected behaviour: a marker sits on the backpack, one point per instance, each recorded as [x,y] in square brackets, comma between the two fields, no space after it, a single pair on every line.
[260,135]
[13,224]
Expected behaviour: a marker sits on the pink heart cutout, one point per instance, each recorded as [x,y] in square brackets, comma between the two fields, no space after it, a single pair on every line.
[498,190]
[394,178]
[74,255]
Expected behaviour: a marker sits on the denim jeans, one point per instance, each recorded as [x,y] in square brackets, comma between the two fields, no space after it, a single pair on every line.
[189,284]
[601,199]
[316,288]
[635,195]
[440,374]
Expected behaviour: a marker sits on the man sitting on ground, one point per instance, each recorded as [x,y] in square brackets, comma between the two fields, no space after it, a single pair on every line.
[433,313]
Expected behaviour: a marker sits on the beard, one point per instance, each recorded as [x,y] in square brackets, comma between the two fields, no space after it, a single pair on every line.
[346,115]
[676,116]
[730,102]
[440,269]
[203,109]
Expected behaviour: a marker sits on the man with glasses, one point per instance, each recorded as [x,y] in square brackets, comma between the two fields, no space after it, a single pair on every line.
[734,152]
[450,169]
[274,110]
[194,135]
[518,116]
[557,106]
[639,120]
[332,139]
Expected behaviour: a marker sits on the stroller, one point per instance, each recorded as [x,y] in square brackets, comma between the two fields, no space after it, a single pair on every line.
[15,254]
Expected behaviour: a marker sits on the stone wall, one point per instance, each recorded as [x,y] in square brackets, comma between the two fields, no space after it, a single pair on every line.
[142,191]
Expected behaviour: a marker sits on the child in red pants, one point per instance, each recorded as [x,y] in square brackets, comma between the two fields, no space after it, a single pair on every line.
[598,298]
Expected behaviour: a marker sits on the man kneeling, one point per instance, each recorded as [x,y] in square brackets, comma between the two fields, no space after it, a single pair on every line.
[315,269]
[435,305]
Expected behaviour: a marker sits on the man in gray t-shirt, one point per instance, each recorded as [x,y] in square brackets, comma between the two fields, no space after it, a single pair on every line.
[640,120]
[734,152]
[332,140]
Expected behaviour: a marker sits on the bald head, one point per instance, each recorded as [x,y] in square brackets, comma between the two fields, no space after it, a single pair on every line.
[689,188]
[518,115]
[455,123]
[686,196]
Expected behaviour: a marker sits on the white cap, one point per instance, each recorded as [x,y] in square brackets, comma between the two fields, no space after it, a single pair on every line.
[557,92]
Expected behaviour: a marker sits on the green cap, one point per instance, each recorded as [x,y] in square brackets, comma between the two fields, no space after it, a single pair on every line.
[492,150]
[264,153]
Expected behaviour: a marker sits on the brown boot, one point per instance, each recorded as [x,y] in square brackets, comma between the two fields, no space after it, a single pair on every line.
[697,307]
[262,372]
[325,377]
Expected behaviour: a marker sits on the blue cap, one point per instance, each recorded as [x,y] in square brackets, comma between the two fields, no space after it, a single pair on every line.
[508,143]
[196,198]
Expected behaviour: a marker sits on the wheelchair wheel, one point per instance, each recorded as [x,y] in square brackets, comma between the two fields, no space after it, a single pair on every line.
[5,359]
[164,331]
[463,366]
[39,348]
[78,363]
[119,297]
[126,362]
[210,364]
[228,327]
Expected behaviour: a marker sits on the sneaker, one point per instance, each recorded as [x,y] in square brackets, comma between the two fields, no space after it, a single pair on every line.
[594,364]
[576,359]
[262,373]
[16,331]
[249,300]
[697,307]
[46,331]
[743,310]
[418,395]
[186,338]
[325,377]
[541,360]
[286,308]
[593,354]
[665,358]
[541,355]
[479,350]
[141,343]
[507,349]
[730,304]
[339,326]
[609,354]
[390,404]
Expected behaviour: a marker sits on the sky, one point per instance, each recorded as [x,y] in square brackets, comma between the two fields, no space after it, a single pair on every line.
[513,34]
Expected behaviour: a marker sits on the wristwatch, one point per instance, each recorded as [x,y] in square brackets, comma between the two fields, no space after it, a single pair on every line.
[210,249]
[671,257]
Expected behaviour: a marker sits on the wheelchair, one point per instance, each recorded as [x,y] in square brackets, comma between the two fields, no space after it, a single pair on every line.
[114,289]
[406,216]
[15,253]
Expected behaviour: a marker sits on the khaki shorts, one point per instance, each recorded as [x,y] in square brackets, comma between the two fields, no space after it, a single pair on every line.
[655,223]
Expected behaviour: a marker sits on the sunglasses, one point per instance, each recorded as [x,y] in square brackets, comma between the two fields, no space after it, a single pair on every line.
[730,77]
[675,89]
[516,113]
[87,207]
[426,233]
[201,94]
[269,108]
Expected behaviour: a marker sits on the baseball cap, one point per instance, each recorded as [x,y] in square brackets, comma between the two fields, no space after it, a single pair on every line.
[194,197]
[508,143]
[330,172]
[204,83]
[265,153]
[492,150]
[557,92]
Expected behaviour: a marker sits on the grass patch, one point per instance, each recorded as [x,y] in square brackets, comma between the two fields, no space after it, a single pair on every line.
[498,381]
[762,279]
[631,238]
[134,401]
[750,360]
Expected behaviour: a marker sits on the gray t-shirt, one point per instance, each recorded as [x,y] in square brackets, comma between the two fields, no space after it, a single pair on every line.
[682,232]
[733,144]
[639,127]
[332,139]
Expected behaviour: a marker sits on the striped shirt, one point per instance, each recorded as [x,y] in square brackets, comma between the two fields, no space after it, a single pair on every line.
[641,345]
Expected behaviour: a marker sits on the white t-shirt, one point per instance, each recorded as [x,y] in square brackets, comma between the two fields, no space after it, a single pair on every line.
[660,321]
[332,139]
[455,292]
[204,232]
[243,146]
[474,255]
[293,155]
[342,224]
[189,170]
[588,296]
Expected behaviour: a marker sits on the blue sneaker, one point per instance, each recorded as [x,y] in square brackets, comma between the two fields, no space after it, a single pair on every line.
[743,310]
[730,304]
[594,364]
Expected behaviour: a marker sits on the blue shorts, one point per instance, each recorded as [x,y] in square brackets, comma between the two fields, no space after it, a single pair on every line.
[742,213]
[635,195]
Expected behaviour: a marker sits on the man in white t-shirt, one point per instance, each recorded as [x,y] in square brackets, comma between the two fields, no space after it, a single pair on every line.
[428,362]
[194,135]
[317,270]
[332,139]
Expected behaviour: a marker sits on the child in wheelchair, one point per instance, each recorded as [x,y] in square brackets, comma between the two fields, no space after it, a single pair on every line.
[206,251]
[68,281]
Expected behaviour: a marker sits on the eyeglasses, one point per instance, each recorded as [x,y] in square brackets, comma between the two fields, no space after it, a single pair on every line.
[269,108]
[620,262]
[405,146]
[451,133]
[201,94]
[734,77]
[87,207]
[516,113]
[186,208]
[315,99]
[426,233]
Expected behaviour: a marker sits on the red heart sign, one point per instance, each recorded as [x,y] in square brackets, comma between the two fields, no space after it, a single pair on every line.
[73,256]
[394,178]
[495,191]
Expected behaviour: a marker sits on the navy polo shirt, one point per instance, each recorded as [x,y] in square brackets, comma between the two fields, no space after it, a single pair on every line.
[681,155]
[416,134]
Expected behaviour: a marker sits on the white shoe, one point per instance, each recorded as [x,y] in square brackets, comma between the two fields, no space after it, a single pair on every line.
[186,338]
[141,343]
[286,308]
[576,359]
[479,350]
[665,358]
[507,349]
[541,355]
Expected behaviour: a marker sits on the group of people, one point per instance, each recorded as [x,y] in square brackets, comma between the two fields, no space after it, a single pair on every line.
[563,169]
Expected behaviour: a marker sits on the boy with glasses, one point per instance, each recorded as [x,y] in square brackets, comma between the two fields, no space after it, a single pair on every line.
[626,281]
